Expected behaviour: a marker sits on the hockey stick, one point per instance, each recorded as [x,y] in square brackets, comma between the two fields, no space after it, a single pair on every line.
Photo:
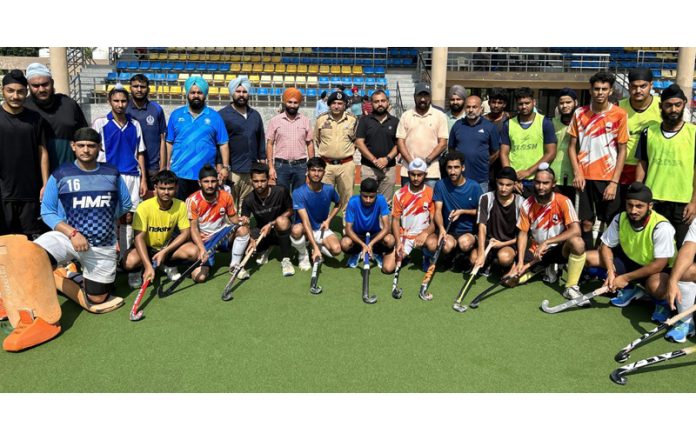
[430,273]
[314,287]
[212,245]
[622,355]
[227,291]
[367,299]
[396,291]
[457,306]
[618,376]
[573,302]
[475,303]
[135,314]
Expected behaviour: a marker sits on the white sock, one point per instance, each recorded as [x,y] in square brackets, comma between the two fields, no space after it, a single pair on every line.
[300,244]
[688,293]
[238,247]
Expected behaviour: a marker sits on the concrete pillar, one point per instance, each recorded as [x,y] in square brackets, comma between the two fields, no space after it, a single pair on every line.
[58,60]
[685,70]
[438,75]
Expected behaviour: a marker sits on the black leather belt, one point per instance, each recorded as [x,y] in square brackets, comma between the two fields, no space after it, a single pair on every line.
[291,162]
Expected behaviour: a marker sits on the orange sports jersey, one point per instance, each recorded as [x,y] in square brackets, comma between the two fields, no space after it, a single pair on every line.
[546,221]
[212,217]
[414,209]
[599,136]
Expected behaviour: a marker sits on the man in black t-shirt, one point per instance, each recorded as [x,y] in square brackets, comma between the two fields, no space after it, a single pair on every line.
[271,206]
[497,221]
[62,114]
[376,140]
[23,160]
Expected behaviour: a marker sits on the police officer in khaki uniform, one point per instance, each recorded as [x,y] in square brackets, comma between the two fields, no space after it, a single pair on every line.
[334,136]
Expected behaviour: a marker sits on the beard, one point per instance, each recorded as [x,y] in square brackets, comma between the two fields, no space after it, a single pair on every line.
[196,104]
[379,111]
[670,117]
[241,102]
[292,111]
[456,108]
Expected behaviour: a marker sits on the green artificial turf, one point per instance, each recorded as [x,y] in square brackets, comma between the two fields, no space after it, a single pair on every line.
[276,337]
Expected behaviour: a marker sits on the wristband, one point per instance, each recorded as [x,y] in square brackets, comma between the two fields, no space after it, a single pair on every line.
[73,233]
[614,182]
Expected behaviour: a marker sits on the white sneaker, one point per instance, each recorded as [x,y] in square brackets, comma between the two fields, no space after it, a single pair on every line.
[572,292]
[304,263]
[263,257]
[172,273]
[287,268]
[551,275]
[135,280]
[242,275]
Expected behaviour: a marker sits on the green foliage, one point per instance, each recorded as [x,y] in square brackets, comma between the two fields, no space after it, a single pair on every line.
[19,51]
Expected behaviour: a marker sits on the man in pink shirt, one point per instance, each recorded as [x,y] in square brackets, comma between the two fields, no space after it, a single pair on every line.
[289,143]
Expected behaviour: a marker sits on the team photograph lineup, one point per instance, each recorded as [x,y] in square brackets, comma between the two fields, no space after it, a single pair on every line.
[595,199]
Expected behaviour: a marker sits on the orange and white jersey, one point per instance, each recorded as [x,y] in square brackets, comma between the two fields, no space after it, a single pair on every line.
[212,217]
[599,136]
[546,221]
[414,209]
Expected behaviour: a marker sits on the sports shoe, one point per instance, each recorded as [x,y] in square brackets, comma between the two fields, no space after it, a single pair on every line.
[379,260]
[626,295]
[681,331]
[304,262]
[242,274]
[135,280]
[287,268]
[551,275]
[263,258]
[352,261]
[572,292]
[661,314]
[172,273]
[485,271]
[30,331]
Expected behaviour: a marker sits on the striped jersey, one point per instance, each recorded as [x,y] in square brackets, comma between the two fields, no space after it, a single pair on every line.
[546,221]
[89,201]
[120,145]
[414,210]
[599,136]
[212,217]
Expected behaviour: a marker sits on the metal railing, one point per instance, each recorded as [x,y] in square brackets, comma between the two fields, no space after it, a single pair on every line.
[518,61]
[76,61]
[423,68]
[399,108]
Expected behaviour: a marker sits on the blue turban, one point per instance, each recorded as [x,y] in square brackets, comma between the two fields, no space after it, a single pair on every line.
[196,81]
[241,80]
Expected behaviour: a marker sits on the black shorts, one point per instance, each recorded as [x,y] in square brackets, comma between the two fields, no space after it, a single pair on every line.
[268,241]
[593,205]
[21,217]
[623,265]
[456,235]
[493,253]
[378,248]
[552,256]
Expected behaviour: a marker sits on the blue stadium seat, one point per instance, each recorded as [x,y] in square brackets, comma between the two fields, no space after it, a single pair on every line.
[347,80]
[224,67]
[262,91]
[133,65]
[168,66]
[336,80]
[369,70]
[144,65]
[112,76]
[370,82]
[190,67]
[379,70]
[407,61]
[172,77]
[302,90]
[382,81]
[149,75]
[178,66]
[324,81]
[124,77]
[122,65]
[358,80]
[311,93]
[201,67]
[213,67]
[160,77]
[278,91]
[155,65]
